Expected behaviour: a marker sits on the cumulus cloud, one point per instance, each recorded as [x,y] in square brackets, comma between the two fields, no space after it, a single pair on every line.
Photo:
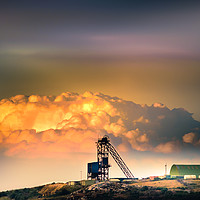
[32,126]
[189,137]
[192,138]
[159,105]
[167,147]
[139,141]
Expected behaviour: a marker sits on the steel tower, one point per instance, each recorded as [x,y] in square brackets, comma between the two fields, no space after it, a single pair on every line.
[100,170]
[102,158]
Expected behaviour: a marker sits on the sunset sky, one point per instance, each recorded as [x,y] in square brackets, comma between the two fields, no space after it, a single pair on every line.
[127,54]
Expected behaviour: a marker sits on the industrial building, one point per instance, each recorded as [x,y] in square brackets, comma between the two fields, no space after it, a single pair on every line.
[185,171]
[87,182]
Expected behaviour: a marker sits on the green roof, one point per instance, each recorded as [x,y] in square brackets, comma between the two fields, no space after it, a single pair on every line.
[181,170]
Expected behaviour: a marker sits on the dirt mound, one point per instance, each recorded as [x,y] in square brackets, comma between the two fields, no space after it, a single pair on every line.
[163,183]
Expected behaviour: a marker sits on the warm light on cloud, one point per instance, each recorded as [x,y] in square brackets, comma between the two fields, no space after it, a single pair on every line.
[159,105]
[48,126]
[138,140]
[168,147]
[188,138]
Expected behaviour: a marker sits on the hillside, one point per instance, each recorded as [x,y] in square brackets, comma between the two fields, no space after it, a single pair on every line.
[164,189]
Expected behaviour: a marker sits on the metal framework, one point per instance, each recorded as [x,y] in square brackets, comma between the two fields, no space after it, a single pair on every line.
[104,147]
[119,161]
[102,158]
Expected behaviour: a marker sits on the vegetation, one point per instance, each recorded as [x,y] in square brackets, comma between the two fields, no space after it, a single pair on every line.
[22,194]
[67,190]
[105,191]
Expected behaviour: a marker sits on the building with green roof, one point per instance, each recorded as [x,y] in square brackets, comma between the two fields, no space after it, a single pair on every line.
[185,171]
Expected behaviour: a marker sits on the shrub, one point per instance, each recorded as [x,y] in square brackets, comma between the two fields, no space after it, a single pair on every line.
[144,188]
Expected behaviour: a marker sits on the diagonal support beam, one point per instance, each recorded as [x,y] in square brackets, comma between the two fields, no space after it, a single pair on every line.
[113,152]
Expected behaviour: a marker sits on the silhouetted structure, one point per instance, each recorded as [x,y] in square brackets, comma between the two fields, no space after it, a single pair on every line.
[100,170]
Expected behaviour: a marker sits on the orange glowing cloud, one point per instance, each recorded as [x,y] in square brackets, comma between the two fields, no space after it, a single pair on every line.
[48,126]
[167,147]
[189,137]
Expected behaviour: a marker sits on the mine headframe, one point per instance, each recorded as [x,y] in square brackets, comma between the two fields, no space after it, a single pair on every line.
[100,170]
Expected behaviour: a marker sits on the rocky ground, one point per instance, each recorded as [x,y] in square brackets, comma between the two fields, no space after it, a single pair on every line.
[163,189]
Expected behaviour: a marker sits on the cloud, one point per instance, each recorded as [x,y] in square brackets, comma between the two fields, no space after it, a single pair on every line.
[189,137]
[192,138]
[49,143]
[53,126]
[167,147]
[159,105]
[139,141]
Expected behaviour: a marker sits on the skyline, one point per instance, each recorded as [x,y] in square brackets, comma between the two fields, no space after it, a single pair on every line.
[124,53]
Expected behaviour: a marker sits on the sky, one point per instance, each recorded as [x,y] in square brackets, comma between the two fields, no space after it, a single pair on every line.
[139,51]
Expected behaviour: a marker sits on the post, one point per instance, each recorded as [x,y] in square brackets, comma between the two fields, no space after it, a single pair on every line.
[166,169]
